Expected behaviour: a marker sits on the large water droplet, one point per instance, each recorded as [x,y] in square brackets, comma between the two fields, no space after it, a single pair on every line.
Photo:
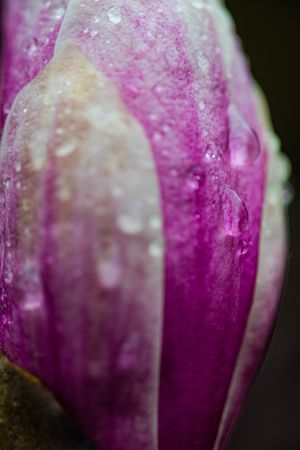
[244,144]
[114,14]
[235,213]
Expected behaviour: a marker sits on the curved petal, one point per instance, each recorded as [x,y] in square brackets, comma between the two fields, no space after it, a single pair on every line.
[30,31]
[197,107]
[182,77]
[269,281]
[81,252]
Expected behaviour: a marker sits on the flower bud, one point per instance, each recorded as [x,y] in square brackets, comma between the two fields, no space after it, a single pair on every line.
[142,233]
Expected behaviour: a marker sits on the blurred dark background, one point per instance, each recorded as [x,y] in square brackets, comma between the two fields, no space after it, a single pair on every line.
[270,31]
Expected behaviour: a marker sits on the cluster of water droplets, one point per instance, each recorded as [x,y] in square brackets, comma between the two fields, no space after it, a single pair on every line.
[279,189]
[244,145]
[113,15]
[44,20]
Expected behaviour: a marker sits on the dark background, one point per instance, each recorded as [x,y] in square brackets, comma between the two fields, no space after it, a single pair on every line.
[270,31]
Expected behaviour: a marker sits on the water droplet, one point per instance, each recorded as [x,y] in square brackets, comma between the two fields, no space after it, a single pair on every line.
[96,19]
[32,302]
[235,213]
[130,224]
[64,194]
[153,117]
[18,166]
[6,108]
[94,33]
[6,183]
[109,274]
[201,105]
[30,46]
[211,154]
[192,185]
[65,149]
[59,131]
[6,320]
[115,15]
[157,136]
[155,223]
[244,144]
[8,276]
[243,248]
[155,250]
[58,13]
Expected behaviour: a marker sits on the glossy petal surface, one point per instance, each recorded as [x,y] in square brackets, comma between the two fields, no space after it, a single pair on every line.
[131,80]
[82,262]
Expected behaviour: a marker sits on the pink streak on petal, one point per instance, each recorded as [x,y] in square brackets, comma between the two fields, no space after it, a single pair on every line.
[167,63]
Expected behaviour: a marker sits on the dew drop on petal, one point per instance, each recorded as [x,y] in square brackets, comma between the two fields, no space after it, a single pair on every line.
[243,248]
[235,213]
[129,224]
[155,250]
[114,15]
[30,46]
[18,167]
[155,223]
[94,33]
[58,13]
[244,145]
[8,276]
[32,302]
[65,149]
[201,105]
[109,274]
[211,154]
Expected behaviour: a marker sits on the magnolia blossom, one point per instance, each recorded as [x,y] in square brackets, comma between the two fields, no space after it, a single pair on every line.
[142,230]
